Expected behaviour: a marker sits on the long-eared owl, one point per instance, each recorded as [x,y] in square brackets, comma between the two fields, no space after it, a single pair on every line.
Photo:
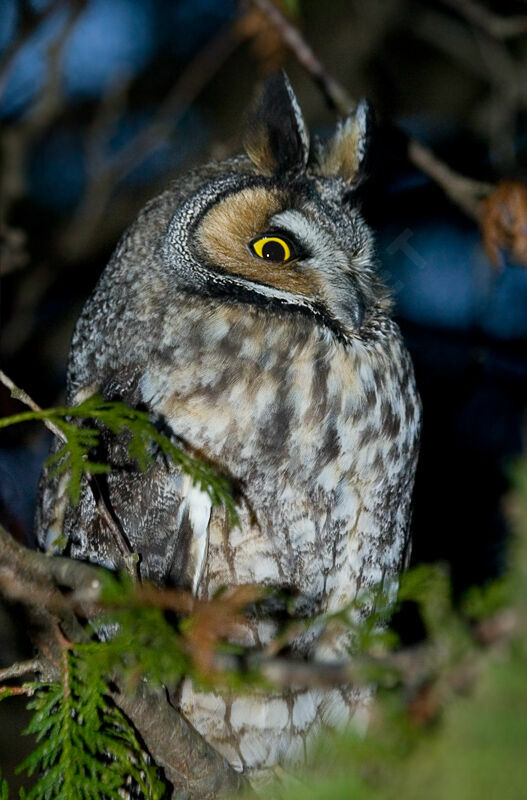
[243,309]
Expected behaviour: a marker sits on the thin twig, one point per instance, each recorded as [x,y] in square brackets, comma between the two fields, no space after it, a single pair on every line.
[118,536]
[19,669]
[19,394]
[28,27]
[335,94]
[464,192]
[189,85]
[16,140]
[495,25]
[16,690]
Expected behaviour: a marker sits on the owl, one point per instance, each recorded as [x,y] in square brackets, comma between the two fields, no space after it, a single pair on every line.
[244,310]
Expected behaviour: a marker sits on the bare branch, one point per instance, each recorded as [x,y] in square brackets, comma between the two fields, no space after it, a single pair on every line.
[19,669]
[19,394]
[17,139]
[29,23]
[190,764]
[336,96]
[190,83]
[33,579]
[464,192]
[493,24]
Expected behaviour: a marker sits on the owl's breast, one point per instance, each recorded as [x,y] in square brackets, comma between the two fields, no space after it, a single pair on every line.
[320,438]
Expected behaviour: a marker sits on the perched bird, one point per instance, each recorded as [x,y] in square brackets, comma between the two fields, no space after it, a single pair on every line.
[244,310]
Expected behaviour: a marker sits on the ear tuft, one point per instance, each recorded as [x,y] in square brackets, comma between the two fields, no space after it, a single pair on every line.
[276,138]
[345,154]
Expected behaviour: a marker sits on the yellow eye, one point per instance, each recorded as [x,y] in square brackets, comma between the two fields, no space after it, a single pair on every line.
[272,248]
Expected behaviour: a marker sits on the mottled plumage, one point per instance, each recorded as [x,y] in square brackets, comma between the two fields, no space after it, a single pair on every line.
[289,376]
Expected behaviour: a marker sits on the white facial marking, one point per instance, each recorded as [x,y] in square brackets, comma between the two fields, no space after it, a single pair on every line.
[325,253]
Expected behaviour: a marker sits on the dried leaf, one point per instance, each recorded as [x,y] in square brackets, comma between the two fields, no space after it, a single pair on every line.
[215,620]
[504,223]
[425,706]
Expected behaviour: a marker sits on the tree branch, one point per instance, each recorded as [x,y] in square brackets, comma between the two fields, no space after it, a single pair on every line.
[335,94]
[107,174]
[441,666]
[19,394]
[34,579]
[499,27]
[464,192]
[20,668]
[16,140]
[191,765]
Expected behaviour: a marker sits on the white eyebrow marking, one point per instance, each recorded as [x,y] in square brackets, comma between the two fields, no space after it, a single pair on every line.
[326,255]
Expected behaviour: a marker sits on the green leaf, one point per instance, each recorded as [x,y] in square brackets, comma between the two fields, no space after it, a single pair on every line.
[4,788]
[291,7]
[481,602]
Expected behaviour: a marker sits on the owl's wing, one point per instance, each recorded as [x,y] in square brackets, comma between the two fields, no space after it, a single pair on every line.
[158,514]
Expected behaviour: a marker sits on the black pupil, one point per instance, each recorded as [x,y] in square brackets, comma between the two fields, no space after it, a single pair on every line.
[273,251]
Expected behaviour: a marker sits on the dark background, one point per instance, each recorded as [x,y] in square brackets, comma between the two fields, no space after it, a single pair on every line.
[103,102]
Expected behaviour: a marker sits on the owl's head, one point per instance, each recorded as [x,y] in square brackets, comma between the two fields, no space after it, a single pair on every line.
[280,227]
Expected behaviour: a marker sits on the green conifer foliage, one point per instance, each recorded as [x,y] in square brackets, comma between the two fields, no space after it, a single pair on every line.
[86,748]
[4,789]
[449,715]
[73,457]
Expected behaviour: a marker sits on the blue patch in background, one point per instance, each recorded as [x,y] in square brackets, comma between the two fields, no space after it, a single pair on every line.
[441,277]
[110,41]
